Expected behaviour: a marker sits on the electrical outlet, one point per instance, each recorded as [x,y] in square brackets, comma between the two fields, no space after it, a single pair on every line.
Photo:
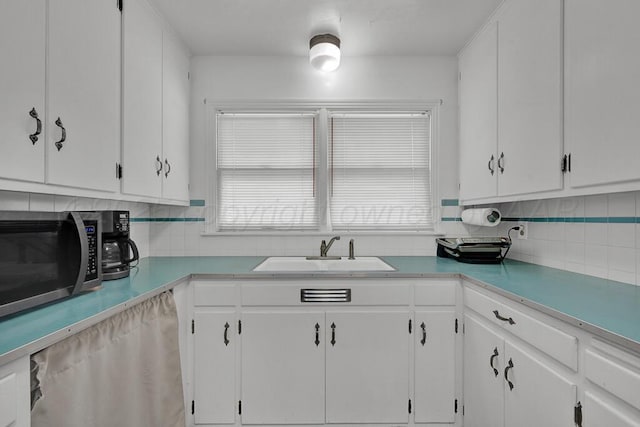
[523,232]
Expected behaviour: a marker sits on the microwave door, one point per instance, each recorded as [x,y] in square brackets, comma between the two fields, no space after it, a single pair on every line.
[40,258]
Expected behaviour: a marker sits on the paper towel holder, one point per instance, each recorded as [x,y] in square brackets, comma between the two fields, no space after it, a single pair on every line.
[487,217]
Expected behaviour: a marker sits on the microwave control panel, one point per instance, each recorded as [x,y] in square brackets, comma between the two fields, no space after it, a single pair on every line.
[91,228]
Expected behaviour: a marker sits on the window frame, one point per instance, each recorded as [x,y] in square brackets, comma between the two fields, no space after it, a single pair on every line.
[321,108]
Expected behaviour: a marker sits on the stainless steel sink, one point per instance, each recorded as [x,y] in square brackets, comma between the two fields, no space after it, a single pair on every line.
[285,264]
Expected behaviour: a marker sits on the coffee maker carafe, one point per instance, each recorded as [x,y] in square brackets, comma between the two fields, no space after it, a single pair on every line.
[116,245]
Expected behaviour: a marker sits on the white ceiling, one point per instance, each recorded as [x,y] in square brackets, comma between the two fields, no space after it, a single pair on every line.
[366,27]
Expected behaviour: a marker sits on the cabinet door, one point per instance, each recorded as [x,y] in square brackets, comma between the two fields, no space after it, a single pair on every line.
[84,92]
[214,382]
[142,107]
[602,92]
[175,122]
[540,396]
[283,368]
[483,381]
[367,367]
[530,96]
[15,388]
[435,362]
[479,116]
[22,77]
[598,412]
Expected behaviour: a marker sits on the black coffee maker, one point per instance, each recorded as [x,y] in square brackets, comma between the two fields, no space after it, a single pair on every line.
[116,245]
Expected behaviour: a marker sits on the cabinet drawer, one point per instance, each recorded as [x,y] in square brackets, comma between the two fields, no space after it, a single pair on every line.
[290,294]
[614,370]
[214,294]
[554,342]
[436,293]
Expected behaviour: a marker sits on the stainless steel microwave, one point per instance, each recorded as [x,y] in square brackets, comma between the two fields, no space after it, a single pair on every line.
[46,256]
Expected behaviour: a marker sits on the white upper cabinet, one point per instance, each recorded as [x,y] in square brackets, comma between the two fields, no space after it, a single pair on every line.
[530,96]
[142,107]
[478,115]
[511,103]
[175,123]
[83,90]
[22,77]
[601,91]
[156,108]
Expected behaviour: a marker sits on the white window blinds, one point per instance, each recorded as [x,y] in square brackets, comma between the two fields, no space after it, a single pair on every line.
[380,171]
[265,171]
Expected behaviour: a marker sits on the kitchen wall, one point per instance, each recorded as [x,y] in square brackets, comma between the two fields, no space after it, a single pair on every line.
[264,78]
[596,235]
[140,212]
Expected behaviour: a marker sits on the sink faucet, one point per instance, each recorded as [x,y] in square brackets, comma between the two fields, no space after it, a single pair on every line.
[324,247]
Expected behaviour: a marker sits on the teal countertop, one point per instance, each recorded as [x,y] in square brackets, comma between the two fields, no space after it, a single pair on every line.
[612,307]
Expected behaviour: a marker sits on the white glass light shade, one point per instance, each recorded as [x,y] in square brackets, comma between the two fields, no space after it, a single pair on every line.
[324,52]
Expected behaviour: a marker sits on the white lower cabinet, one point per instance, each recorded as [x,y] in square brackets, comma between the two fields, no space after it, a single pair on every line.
[283,369]
[613,380]
[263,357]
[367,367]
[15,389]
[214,383]
[434,344]
[505,385]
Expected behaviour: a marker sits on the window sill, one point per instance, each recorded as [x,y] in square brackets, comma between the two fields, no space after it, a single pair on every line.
[402,233]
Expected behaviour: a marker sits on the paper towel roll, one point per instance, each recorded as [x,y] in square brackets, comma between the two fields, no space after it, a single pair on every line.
[488,217]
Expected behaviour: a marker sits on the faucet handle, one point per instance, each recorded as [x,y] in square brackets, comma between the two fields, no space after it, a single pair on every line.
[351,254]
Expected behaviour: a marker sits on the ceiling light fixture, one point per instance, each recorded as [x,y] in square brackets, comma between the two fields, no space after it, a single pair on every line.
[324,52]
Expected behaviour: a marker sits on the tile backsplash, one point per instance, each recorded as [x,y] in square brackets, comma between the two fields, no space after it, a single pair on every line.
[596,235]
[10,200]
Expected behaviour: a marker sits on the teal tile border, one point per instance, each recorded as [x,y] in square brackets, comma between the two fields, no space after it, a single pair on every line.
[196,202]
[186,219]
[449,202]
[450,219]
[590,220]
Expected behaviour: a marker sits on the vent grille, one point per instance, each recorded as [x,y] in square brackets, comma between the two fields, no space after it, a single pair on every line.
[325,295]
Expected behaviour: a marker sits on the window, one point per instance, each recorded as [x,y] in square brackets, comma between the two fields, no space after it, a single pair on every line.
[328,168]
[265,171]
[380,171]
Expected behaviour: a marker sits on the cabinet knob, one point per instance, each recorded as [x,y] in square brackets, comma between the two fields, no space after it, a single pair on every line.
[317,341]
[424,333]
[501,163]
